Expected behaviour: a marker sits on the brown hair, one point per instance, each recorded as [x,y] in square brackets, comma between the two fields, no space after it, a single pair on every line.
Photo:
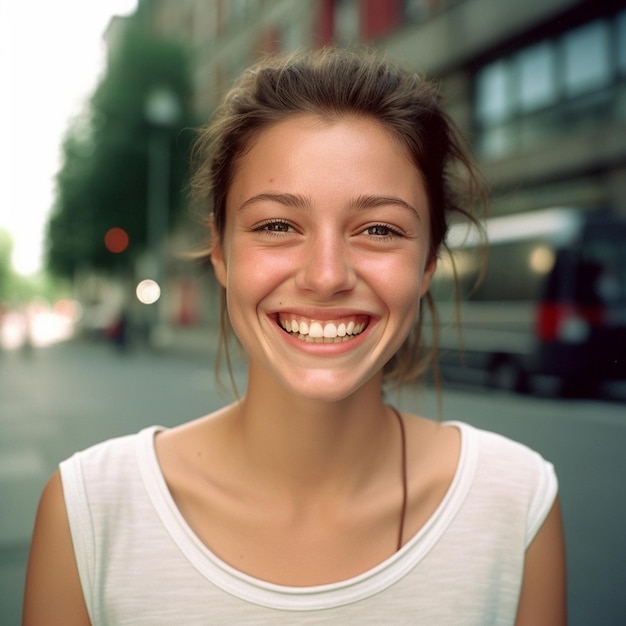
[332,83]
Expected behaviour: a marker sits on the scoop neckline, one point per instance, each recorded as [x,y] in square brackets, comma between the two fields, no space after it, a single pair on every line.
[329,595]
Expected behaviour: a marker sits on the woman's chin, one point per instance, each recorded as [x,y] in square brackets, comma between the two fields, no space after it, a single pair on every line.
[326,387]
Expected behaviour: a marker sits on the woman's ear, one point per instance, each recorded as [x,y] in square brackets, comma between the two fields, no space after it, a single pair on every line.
[427,277]
[217,256]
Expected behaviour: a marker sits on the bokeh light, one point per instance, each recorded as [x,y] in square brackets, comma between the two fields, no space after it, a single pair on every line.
[148,291]
[116,240]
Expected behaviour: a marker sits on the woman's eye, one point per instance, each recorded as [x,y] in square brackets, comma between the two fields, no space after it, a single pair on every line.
[273,226]
[381,230]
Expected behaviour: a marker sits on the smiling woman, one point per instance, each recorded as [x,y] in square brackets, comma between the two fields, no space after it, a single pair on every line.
[329,180]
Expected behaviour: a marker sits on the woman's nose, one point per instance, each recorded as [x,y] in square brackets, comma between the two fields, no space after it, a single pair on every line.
[328,266]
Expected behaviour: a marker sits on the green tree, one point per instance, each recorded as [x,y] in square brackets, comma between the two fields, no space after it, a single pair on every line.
[6,272]
[103,182]
[16,289]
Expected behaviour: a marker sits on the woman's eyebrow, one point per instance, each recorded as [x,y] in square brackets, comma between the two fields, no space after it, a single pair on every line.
[286,199]
[371,202]
[300,201]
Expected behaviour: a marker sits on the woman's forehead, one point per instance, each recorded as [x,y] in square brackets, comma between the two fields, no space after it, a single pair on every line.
[310,156]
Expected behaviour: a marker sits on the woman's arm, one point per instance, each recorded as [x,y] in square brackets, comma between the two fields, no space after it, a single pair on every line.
[53,595]
[543,598]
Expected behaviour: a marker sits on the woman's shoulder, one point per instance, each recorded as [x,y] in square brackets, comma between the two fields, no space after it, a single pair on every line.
[201,437]
[196,451]
[510,473]
[455,452]
[111,453]
[432,444]
[116,465]
[497,450]
[462,438]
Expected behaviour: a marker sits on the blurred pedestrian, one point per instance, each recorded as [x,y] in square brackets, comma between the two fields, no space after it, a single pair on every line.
[119,331]
[331,178]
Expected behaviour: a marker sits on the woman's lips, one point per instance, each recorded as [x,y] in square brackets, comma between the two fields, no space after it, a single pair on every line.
[312,330]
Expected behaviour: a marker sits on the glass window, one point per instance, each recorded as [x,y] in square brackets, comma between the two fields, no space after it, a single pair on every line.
[586,58]
[498,140]
[494,93]
[536,77]
[543,89]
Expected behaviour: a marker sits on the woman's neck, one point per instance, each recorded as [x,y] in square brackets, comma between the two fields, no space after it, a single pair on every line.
[298,443]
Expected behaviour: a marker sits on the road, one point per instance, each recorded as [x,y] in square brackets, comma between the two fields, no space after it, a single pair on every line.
[62,398]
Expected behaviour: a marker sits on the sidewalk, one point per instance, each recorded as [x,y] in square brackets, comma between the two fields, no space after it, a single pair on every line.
[200,340]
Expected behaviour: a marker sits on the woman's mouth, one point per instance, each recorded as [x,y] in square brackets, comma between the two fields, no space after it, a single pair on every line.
[323,331]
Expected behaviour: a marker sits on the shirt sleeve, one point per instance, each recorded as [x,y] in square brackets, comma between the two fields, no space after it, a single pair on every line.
[81,525]
[544,497]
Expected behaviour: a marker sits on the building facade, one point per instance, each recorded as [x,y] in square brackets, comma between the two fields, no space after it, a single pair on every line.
[539,86]
[226,36]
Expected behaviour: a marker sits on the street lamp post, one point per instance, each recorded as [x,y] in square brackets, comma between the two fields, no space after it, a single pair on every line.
[162,110]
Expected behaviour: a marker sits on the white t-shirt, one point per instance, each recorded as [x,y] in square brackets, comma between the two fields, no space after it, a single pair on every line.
[140,563]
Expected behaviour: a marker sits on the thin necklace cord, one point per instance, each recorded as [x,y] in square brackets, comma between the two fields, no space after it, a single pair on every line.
[404,477]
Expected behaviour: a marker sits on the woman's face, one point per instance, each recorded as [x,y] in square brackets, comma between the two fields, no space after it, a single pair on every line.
[325,252]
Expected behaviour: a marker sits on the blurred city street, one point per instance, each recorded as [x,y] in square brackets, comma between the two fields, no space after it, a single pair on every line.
[58,399]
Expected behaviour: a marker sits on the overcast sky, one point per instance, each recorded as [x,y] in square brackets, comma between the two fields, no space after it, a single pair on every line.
[51,56]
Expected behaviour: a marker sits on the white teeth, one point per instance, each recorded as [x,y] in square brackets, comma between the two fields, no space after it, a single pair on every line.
[322,332]
[315,330]
[330,331]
